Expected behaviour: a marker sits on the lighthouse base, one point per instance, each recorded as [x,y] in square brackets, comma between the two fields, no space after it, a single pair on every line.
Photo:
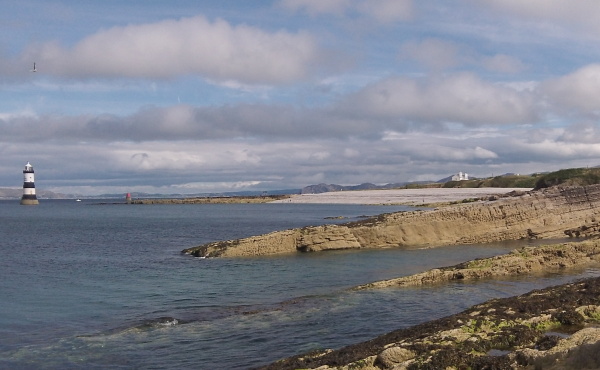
[29,202]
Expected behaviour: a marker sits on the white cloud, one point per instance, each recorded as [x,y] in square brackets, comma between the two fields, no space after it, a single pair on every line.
[557,150]
[438,55]
[397,103]
[580,132]
[461,98]
[351,153]
[482,153]
[317,7]
[384,11]
[504,64]
[211,186]
[387,11]
[215,50]
[219,165]
[320,156]
[552,9]
[578,14]
[433,53]
[578,91]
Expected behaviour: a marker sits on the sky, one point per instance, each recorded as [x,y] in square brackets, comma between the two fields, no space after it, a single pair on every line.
[188,96]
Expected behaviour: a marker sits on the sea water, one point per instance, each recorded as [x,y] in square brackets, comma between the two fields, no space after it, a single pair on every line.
[103,285]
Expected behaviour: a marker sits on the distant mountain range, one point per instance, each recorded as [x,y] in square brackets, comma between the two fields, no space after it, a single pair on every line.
[324,188]
[141,195]
[11,193]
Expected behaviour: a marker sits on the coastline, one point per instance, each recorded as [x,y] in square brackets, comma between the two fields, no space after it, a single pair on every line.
[412,197]
[522,261]
[553,328]
[551,213]
[511,333]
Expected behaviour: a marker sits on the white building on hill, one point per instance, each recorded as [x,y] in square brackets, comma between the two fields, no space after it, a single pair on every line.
[460,176]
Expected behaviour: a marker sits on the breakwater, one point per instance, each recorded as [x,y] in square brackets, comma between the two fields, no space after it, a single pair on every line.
[212,200]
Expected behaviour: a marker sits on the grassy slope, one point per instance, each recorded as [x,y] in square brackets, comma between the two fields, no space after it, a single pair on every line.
[571,177]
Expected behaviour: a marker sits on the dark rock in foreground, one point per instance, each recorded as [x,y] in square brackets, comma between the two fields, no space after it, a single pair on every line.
[511,333]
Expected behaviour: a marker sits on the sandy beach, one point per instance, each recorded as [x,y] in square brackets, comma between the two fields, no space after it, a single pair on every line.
[398,196]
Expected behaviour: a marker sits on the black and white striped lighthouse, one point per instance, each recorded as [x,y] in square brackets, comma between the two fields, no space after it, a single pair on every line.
[29,198]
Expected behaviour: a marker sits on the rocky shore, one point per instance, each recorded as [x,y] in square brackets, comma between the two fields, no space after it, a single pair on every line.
[549,213]
[526,260]
[548,329]
[553,328]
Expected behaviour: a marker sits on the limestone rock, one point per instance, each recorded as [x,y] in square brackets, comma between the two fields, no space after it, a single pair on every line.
[548,213]
[580,351]
[521,261]
[326,237]
[393,356]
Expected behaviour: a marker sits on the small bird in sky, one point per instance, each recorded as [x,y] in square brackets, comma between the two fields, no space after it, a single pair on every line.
[34,69]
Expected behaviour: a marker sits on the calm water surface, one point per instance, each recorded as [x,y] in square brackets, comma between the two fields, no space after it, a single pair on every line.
[84,285]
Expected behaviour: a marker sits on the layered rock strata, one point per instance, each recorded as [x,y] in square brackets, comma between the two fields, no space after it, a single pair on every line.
[527,260]
[549,213]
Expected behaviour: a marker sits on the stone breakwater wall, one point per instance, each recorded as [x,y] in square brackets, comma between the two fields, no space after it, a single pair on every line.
[548,213]
[213,200]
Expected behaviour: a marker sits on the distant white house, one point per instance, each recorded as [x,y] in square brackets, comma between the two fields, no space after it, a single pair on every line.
[460,176]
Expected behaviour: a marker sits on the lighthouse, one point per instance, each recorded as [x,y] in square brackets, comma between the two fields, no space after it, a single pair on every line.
[29,198]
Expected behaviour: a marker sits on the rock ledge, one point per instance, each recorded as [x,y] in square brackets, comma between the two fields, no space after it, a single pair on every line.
[549,213]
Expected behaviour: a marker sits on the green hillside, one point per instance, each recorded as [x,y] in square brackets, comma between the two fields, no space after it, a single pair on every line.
[571,176]
[506,181]
[568,177]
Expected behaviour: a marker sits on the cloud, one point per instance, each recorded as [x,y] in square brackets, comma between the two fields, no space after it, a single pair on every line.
[395,129]
[383,11]
[438,55]
[577,92]
[317,7]
[433,53]
[580,13]
[215,50]
[503,64]
[461,98]
[197,165]
[580,132]
[395,103]
[387,11]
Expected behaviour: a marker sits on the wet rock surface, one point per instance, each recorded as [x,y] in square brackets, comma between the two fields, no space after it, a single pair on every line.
[509,333]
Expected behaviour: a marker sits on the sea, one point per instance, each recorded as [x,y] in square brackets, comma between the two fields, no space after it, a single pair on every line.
[104,285]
